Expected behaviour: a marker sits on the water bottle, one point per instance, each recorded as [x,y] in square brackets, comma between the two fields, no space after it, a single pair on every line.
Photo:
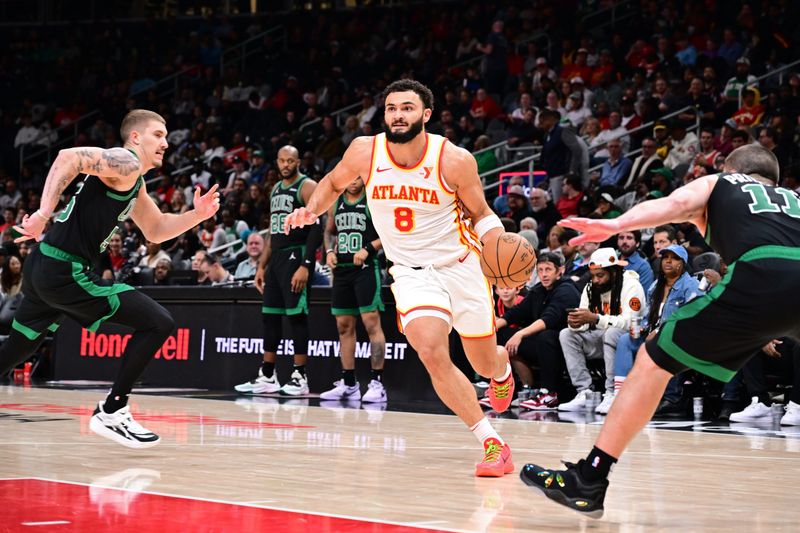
[703,285]
[697,407]
[636,327]
[524,393]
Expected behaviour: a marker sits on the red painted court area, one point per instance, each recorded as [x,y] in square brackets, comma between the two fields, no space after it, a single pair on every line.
[39,505]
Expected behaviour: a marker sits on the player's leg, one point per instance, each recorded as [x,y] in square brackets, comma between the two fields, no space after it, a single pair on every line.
[376,392]
[28,330]
[272,311]
[489,359]
[345,388]
[428,336]
[151,325]
[298,327]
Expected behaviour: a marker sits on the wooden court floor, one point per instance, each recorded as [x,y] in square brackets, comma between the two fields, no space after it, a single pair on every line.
[259,464]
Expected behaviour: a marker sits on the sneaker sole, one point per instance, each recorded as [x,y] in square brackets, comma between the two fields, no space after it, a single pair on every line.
[100,429]
[376,400]
[561,498]
[508,468]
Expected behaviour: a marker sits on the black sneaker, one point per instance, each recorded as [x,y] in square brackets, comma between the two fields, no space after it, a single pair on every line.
[567,487]
[668,408]
[728,408]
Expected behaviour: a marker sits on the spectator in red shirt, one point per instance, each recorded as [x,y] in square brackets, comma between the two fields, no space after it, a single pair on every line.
[571,194]
[579,68]
[9,218]
[484,107]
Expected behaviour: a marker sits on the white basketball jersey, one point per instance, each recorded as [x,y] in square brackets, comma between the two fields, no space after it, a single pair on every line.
[413,209]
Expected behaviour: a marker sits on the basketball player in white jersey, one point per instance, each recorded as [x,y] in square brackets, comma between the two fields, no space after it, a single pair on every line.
[414,183]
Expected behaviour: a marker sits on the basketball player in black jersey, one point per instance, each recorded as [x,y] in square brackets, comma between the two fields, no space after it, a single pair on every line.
[58,278]
[351,247]
[755,227]
[282,276]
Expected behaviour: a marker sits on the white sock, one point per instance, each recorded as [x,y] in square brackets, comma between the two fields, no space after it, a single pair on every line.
[505,374]
[618,381]
[483,430]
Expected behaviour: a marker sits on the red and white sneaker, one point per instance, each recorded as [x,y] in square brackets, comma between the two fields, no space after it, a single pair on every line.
[496,460]
[544,401]
[501,394]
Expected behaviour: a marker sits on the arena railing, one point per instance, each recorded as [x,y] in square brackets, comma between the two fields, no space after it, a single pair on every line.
[778,71]
[245,50]
[337,115]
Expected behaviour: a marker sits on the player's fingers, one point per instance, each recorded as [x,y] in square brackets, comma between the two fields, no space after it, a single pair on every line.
[23,238]
[213,189]
[581,239]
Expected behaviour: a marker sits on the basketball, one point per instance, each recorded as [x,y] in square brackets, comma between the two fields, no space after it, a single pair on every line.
[508,261]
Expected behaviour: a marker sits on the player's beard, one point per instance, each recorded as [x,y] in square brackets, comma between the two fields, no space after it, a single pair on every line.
[414,129]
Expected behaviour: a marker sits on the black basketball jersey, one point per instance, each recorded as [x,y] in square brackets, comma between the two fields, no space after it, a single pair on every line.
[354,227]
[91,218]
[283,200]
[744,213]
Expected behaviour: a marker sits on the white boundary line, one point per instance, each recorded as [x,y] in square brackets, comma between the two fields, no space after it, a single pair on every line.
[226,502]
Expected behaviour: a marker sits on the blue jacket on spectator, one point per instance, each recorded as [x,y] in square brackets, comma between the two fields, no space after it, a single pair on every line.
[686,289]
[613,175]
[639,264]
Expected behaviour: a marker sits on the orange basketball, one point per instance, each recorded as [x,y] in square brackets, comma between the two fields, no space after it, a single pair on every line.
[508,261]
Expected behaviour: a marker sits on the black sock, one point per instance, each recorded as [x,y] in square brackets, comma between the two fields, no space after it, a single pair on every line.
[597,465]
[377,375]
[301,369]
[267,369]
[115,403]
[764,398]
[349,377]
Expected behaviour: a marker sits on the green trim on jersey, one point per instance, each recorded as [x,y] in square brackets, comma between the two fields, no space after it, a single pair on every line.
[126,197]
[101,291]
[25,330]
[693,308]
[299,182]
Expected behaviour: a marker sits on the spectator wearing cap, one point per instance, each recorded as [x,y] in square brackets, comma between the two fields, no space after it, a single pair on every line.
[752,110]
[643,164]
[238,172]
[661,137]
[578,84]
[518,207]
[563,152]
[628,244]
[608,302]
[616,168]
[500,204]
[661,180]
[541,72]
[606,208]
[258,167]
[530,329]
[683,146]
[734,87]
[571,194]
[544,211]
[630,119]
[673,288]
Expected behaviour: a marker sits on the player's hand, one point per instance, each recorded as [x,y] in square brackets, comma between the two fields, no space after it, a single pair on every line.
[593,230]
[300,279]
[770,348]
[298,218]
[359,257]
[31,227]
[331,260]
[259,280]
[513,343]
[206,206]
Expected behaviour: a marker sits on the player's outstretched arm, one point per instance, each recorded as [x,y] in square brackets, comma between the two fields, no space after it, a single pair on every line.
[685,204]
[354,163]
[460,171]
[107,162]
[159,227]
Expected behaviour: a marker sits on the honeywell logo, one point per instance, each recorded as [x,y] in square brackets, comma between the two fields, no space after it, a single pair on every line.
[176,347]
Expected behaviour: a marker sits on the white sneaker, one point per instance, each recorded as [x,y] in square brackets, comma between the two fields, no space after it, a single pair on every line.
[340,391]
[261,385]
[605,405]
[376,392]
[792,416]
[296,386]
[120,427]
[579,402]
[755,411]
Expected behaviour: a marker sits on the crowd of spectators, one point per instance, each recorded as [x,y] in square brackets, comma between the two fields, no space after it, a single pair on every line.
[529,75]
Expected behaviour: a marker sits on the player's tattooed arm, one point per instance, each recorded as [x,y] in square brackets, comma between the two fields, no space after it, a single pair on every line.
[110,163]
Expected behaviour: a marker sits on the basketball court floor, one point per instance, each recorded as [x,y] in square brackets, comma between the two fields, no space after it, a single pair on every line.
[263,464]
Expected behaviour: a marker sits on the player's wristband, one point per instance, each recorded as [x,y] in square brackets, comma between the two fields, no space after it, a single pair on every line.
[41,215]
[486,224]
[329,251]
[369,248]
